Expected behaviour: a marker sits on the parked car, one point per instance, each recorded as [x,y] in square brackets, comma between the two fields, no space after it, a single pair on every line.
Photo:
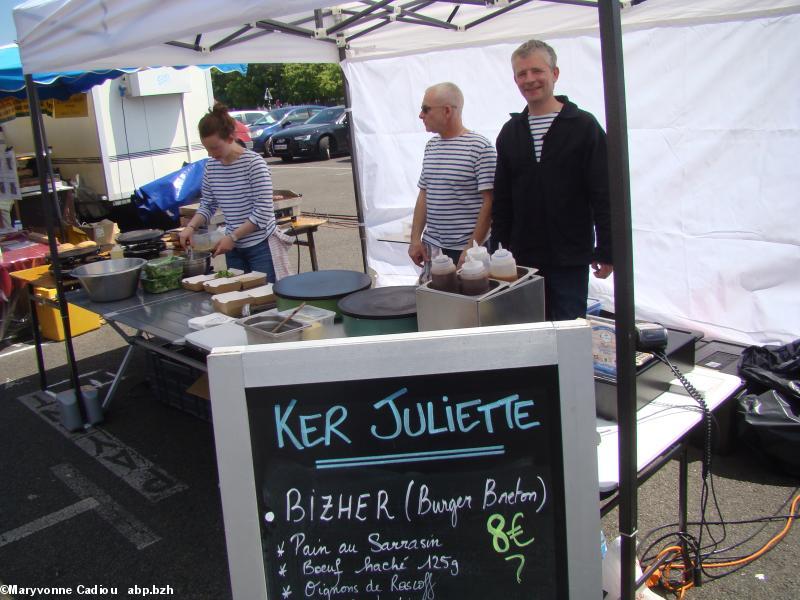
[324,134]
[243,135]
[278,119]
[248,117]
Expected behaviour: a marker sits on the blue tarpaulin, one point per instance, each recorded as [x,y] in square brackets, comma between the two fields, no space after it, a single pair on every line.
[166,194]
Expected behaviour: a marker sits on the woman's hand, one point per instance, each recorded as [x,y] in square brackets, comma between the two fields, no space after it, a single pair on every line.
[185,236]
[226,244]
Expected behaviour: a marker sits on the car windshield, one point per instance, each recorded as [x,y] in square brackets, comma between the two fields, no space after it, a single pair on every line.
[272,116]
[329,115]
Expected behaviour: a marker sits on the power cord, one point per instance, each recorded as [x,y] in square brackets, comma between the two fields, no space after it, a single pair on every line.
[703,561]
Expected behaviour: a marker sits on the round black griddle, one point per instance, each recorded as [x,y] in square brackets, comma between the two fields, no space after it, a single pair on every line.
[139,236]
[321,285]
[391,302]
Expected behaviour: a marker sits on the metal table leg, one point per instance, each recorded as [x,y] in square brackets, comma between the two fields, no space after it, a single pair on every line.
[683,500]
[123,365]
[312,250]
[37,339]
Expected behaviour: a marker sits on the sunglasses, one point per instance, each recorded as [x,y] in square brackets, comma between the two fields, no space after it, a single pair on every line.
[426,109]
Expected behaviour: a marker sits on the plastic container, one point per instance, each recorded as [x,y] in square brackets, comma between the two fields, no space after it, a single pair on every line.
[68,411]
[503,266]
[474,278]
[320,320]
[443,274]
[163,266]
[117,252]
[259,329]
[50,323]
[479,253]
[91,403]
[210,320]
[204,241]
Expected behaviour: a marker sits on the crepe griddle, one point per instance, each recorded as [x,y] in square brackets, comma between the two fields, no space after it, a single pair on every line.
[139,236]
[75,253]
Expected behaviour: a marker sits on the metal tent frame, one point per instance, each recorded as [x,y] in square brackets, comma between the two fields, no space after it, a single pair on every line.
[356,19]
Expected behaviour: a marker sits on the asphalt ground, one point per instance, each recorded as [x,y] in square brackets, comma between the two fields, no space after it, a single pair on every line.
[135,501]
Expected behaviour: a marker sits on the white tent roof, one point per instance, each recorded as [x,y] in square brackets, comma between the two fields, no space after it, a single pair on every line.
[59,35]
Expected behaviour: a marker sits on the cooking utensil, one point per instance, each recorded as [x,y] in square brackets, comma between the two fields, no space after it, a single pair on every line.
[287,318]
[197,263]
[139,236]
[75,253]
[109,280]
[379,311]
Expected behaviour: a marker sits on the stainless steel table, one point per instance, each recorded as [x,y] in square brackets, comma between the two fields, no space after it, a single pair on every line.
[159,320]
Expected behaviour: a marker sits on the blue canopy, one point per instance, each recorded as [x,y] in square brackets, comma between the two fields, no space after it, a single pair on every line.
[63,85]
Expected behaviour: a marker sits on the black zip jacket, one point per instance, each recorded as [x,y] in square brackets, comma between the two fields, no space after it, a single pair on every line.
[547,213]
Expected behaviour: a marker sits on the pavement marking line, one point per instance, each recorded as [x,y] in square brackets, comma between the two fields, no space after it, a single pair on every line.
[46,521]
[136,532]
[151,481]
[11,350]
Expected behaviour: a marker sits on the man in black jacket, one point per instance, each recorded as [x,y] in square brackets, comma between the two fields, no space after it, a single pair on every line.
[551,186]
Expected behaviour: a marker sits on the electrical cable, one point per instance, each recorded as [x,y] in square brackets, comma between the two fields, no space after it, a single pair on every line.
[691,570]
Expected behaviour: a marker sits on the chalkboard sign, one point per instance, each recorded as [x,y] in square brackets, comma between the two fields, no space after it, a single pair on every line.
[428,486]
[447,464]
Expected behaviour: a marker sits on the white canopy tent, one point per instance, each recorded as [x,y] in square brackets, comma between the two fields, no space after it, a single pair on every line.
[715,130]
[713,114]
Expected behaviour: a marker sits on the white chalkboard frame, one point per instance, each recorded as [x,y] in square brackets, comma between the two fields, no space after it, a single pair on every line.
[566,344]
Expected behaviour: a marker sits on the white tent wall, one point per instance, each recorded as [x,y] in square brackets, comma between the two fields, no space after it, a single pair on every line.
[714,132]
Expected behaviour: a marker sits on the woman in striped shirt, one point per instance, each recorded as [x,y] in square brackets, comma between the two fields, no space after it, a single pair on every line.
[238,182]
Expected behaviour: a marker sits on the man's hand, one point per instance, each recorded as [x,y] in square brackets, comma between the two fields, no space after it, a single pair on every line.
[418,253]
[226,244]
[602,270]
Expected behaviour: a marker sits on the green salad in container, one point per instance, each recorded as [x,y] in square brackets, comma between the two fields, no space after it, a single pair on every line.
[162,274]
[163,266]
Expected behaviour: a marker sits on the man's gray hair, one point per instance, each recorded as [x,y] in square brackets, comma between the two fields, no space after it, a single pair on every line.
[449,93]
[531,46]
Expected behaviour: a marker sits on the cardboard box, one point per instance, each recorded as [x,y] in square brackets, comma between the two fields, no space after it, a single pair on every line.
[103,232]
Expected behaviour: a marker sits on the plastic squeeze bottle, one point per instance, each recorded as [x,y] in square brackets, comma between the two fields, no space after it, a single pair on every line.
[117,252]
[479,253]
[503,266]
[474,278]
[443,274]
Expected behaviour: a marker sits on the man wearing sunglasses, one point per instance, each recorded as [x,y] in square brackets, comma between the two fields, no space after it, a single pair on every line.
[454,204]
[551,206]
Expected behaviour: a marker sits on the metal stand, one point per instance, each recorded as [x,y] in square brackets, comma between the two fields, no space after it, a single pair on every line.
[50,197]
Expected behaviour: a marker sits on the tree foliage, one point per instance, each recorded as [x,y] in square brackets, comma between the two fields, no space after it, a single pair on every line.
[290,83]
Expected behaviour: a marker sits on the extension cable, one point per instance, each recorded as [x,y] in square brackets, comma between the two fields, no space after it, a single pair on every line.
[662,576]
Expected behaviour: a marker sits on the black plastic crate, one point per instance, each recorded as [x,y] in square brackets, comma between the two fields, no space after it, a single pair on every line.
[169,380]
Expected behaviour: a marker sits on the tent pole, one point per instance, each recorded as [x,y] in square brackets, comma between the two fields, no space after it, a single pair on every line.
[624,308]
[362,231]
[51,209]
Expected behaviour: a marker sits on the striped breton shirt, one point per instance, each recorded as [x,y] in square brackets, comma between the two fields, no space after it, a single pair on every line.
[454,172]
[241,190]
[539,126]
